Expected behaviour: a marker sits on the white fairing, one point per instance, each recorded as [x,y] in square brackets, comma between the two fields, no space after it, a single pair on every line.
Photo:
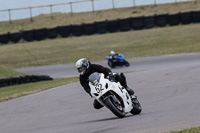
[98,89]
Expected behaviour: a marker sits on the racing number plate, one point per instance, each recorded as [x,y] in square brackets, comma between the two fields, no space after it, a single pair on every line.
[99,88]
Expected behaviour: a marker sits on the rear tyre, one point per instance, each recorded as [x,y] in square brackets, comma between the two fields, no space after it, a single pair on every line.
[114,107]
[137,109]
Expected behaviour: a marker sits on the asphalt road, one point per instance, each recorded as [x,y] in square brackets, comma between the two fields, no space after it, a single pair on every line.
[168,88]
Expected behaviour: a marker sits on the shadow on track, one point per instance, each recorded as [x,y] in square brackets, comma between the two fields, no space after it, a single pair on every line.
[102,120]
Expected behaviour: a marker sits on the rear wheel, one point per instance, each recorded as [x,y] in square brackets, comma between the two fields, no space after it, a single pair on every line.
[115,107]
[137,109]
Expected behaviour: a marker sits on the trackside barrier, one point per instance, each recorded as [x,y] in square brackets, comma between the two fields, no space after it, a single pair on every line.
[174,19]
[52,32]
[88,29]
[149,22]
[15,37]
[102,27]
[113,26]
[186,17]
[40,34]
[161,20]
[28,35]
[64,31]
[125,24]
[77,30]
[196,16]
[23,79]
[137,23]
[4,38]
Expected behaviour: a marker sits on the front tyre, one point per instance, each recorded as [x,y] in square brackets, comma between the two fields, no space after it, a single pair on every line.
[137,109]
[111,64]
[114,107]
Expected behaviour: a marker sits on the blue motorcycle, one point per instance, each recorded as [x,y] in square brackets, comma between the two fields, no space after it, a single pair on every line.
[117,60]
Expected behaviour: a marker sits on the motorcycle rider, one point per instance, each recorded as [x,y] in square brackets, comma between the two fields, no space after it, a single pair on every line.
[112,55]
[85,69]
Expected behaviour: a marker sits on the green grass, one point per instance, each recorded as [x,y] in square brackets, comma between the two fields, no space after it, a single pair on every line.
[189,130]
[142,43]
[11,92]
[7,72]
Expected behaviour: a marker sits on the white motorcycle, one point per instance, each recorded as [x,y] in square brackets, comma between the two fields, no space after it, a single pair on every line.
[113,96]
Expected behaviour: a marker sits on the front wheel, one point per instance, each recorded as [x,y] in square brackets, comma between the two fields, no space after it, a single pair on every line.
[137,109]
[111,64]
[114,107]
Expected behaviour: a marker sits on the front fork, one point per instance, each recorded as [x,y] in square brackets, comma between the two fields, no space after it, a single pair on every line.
[113,97]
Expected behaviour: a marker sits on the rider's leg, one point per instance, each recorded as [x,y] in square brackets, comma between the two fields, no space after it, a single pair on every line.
[97,105]
[122,79]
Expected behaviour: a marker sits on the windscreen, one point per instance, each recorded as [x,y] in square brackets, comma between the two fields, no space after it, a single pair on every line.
[94,78]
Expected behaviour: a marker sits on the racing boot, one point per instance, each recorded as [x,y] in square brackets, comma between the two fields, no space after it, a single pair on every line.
[131,93]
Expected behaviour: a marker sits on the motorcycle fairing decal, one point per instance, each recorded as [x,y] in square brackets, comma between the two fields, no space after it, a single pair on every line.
[99,88]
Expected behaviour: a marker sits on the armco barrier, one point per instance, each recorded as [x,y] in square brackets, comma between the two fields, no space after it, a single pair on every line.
[76,30]
[4,38]
[125,24]
[88,29]
[186,17]
[23,79]
[28,35]
[161,20]
[52,32]
[112,26]
[174,19]
[137,23]
[64,31]
[196,16]
[101,27]
[15,37]
[40,34]
[149,22]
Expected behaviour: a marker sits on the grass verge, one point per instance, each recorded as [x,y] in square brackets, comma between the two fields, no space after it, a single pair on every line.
[8,72]
[143,43]
[189,130]
[11,92]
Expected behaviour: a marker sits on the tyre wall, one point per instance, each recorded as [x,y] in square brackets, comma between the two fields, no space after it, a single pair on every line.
[15,37]
[64,31]
[4,38]
[52,33]
[161,20]
[137,23]
[23,79]
[77,30]
[28,35]
[149,22]
[102,27]
[174,19]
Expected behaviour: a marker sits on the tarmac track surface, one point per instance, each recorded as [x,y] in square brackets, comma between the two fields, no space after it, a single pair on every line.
[167,87]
